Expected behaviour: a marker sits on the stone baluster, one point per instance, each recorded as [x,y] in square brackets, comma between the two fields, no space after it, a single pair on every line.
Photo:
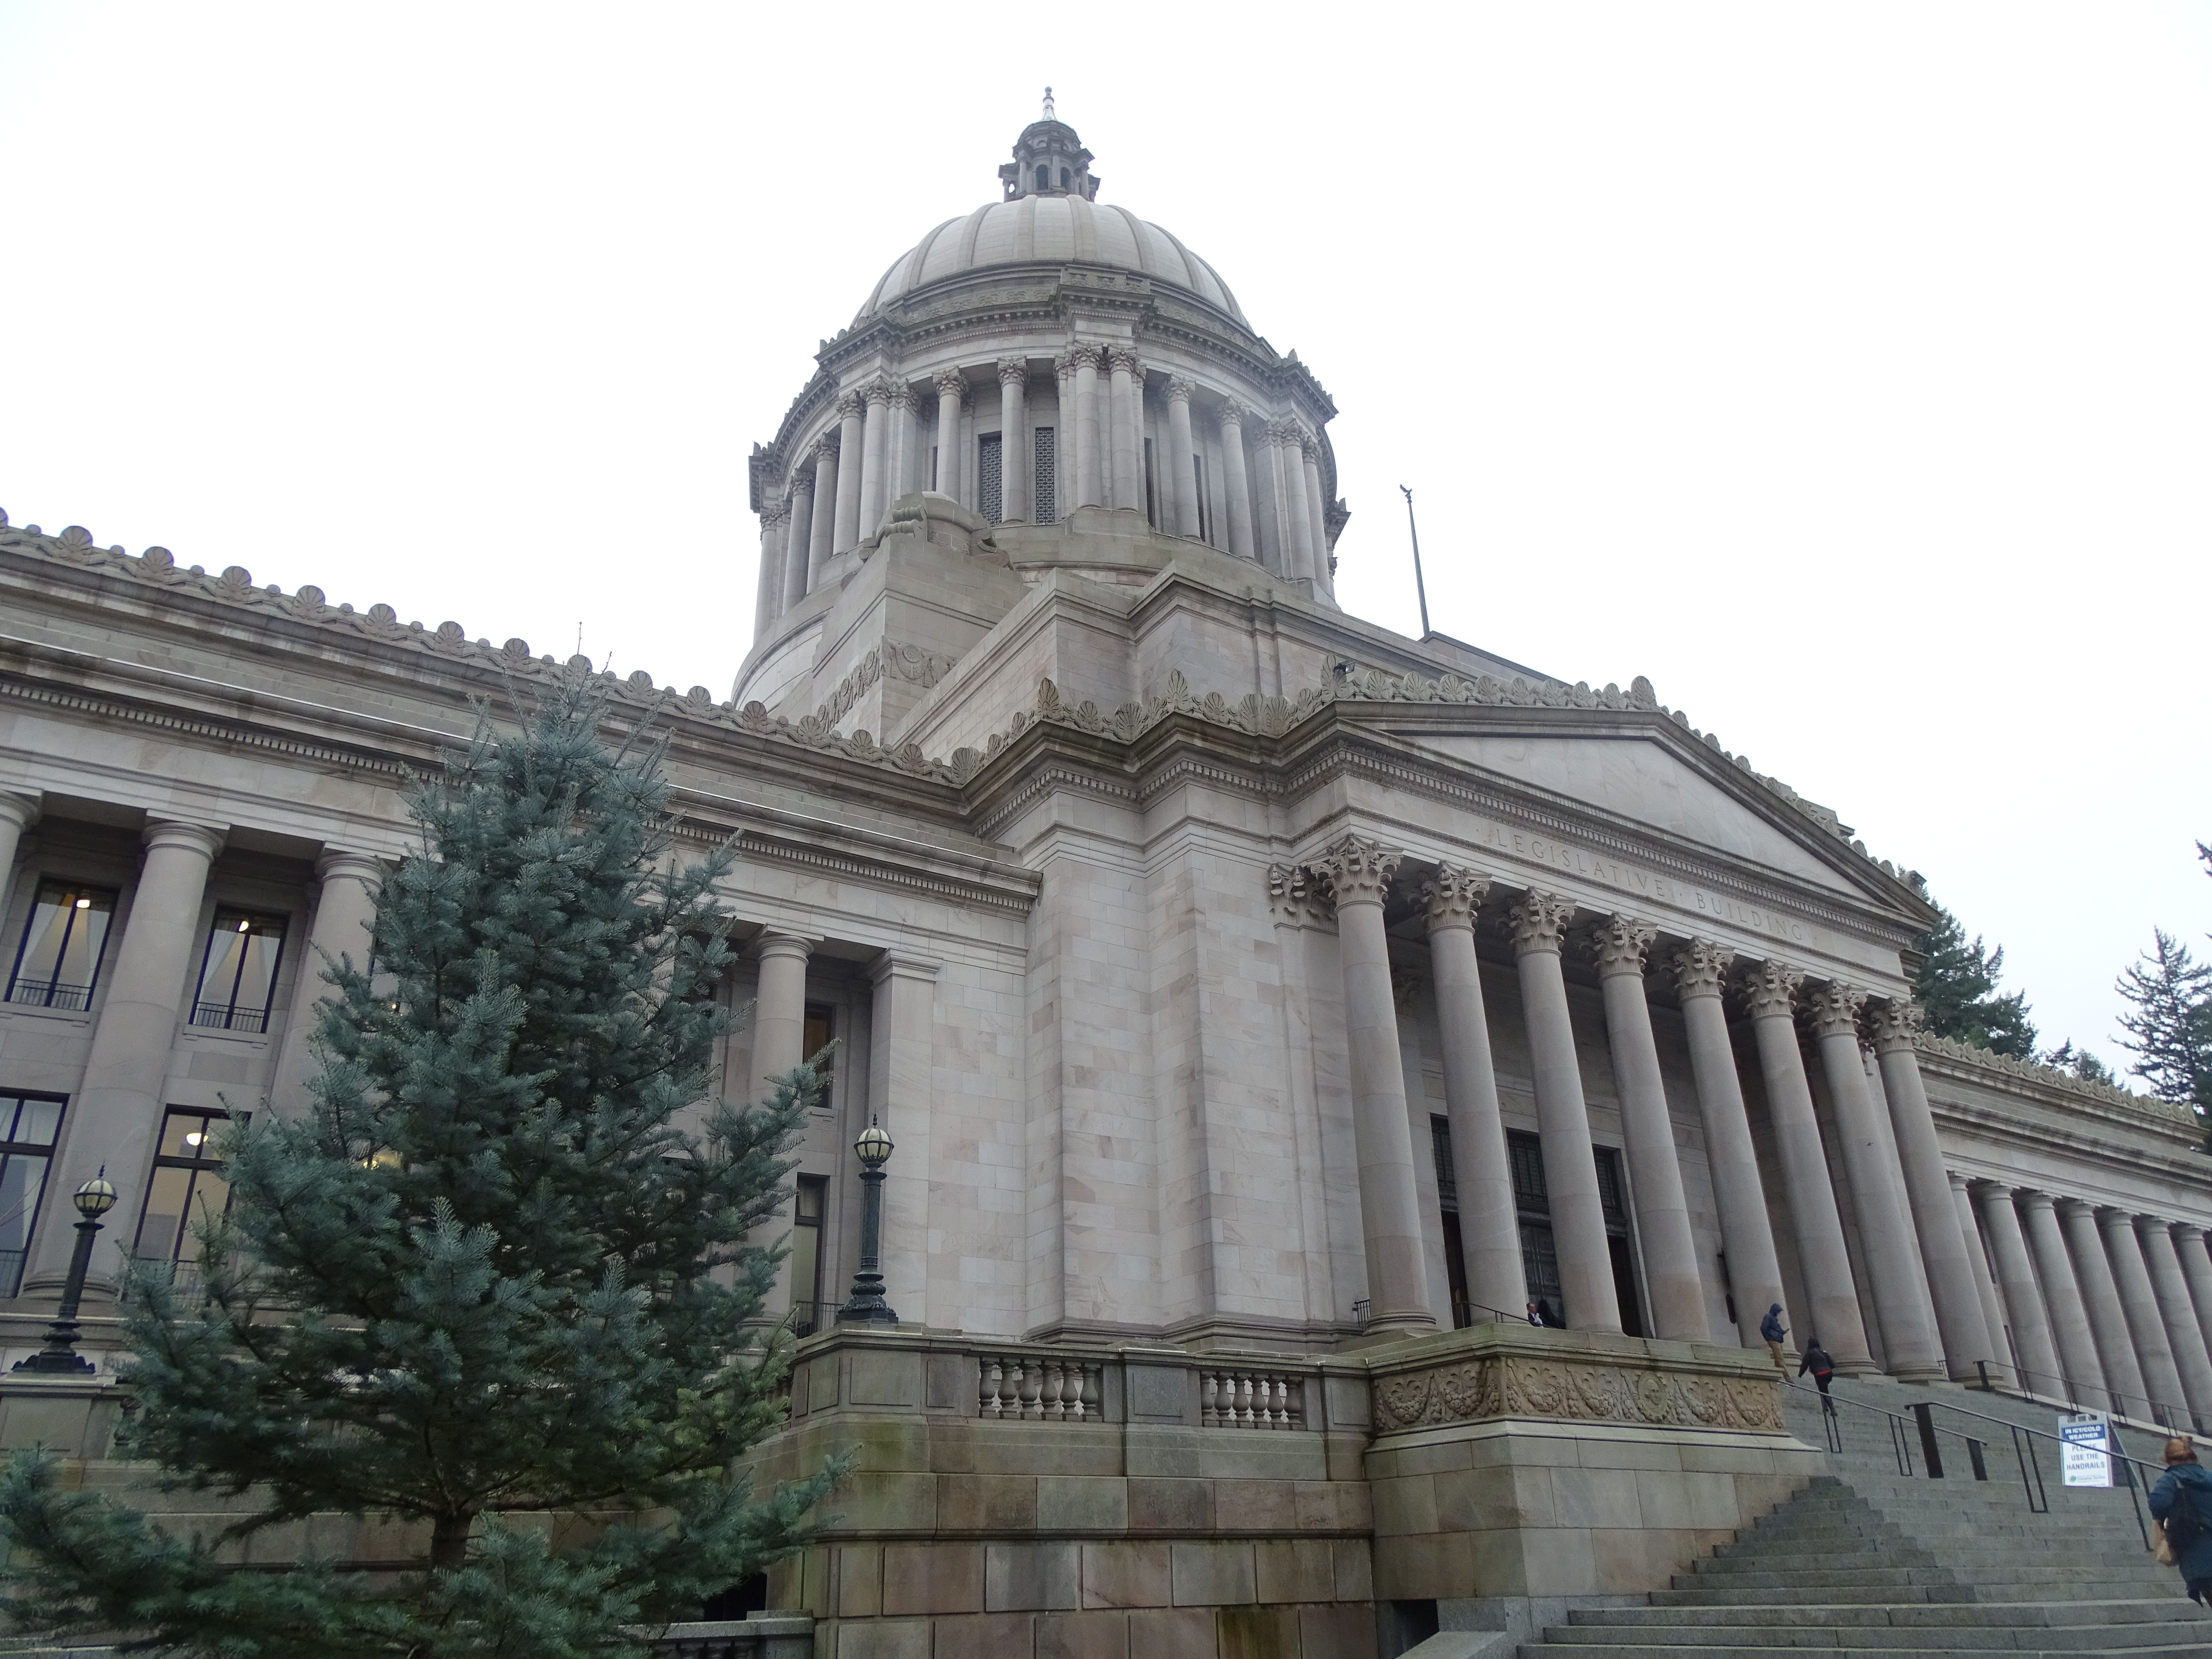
[2196,1268]
[1900,1293]
[117,1109]
[876,458]
[17,813]
[1090,1390]
[2131,1274]
[1015,442]
[2062,1295]
[1999,1359]
[800,541]
[1209,1399]
[2037,1352]
[1032,1391]
[1180,468]
[1236,479]
[345,916]
[1961,1322]
[990,1373]
[1770,992]
[1317,512]
[952,470]
[1539,921]
[852,452]
[1089,451]
[2176,1315]
[1754,1271]
[1049,1397]
[1129,384]
[1359,873]
[768,593]
[1010,1391]
[1489,1227]
[821,540]
[2100,1303]
[1655,1173]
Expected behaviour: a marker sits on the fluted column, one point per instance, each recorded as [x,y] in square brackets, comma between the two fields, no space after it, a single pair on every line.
[17,813]
[1318,511]
[2139,1302]
[1754,1271]
[345,914]
[118,1107]
[906,467]
[779,1045]
[1770,992]
[2101,1302]
[2062,1295]
[1016,445]
[902,1073]
[852,451]
[952,477]
[1960,1321]
[1985,1287]
[1180,469]
[1900,1294]
[2195,1268]
[1489,1220]
[767,594]
[1655,1173]
[875,458]
[1128,373]
[821,540]
[2179,1318]
[2023,1296]
[1360,874]
[1275,551]
[1540,922]
[1090,455]
[1296,512]
[800,541]
[1236,479]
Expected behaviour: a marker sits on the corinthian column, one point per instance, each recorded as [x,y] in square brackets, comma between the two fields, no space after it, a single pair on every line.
[1015,443]
[779,1046]
[1489,1220]
[1539,921]
[1360,874]
[2183,1336]
[1700,971]
[1317,511]
[767,596]
[1297,512]
[1090,456]
[1770,991]
[822,538]
[905,443]
[1960,1319]
[800,541]
[345,914]
[1128,430]
[1901,1295]
[2100,1303]
[1654,1175]
[852,449]
[1993,1316]
[1236,482]
[951,477]
[2061,1294]
[2196,1268]
[876,458]
[2161,1377]
[2030,1323]
[1179,469]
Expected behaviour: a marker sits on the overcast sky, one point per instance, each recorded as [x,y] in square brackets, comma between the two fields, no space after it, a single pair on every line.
[1847,371]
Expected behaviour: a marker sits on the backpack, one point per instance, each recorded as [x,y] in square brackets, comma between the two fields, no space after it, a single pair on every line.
[2184,1524]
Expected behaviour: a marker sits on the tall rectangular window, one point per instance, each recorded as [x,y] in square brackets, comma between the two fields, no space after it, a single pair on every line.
[1440,1149]
[28,1124]
[237,974]
[1152,489]
[1532,1203]
[808,1316]
[820,1026]
[991,477]
[188,1187]
[1613,1199]
[58,959]
[1046,497]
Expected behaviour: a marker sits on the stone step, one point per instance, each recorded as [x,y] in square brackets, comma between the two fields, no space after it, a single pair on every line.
[2001,1638]
[1853,1575]
[2135,1611]
[2180,1648]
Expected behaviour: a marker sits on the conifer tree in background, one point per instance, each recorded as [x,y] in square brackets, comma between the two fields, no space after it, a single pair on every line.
[484,1276]
[1956,988]
[2080,1062]
[2170,1030]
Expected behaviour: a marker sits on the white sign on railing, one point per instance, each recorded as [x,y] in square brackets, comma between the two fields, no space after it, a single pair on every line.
[2087,1455]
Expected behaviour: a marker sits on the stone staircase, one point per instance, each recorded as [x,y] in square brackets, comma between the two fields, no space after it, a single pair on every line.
[1867,1559]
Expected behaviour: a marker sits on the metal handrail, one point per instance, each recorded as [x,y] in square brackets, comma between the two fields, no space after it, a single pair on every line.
[2163,1412]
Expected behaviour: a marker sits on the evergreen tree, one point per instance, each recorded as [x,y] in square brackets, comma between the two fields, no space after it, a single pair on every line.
[2080,1062]
[483,1285]
[1956,988]
[2170,1029]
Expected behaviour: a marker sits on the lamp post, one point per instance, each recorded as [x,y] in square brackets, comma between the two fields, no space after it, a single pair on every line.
[867,1306]
[59,1357]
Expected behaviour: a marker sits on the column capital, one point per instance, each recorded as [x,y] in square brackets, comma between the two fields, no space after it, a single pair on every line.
[2112,1220]
[1013,371]
[1453,895]
[1701,968]
[1294,894]
[336,864]
[1359,871]
[784,944]
[1085,354]
[903,396]
[826,448]
[2183,1229]
[1769,989]
[1123,360]
[1621,943]
[204,839]
[949,383]
[2034,1199]
[1181,388]
[1232,413]
[19,810]
[1280,432]
[900,964]
[2068,1206]
[1958,1181]
[878,391]
[851,405]
[1539,921]
[775,513]
[1832,1008]
[1308,445]
[1895,1022]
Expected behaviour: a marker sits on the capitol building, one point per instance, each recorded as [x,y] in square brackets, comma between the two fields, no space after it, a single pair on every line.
[1274,1015]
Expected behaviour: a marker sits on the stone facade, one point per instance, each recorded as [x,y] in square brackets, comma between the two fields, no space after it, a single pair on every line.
[1253,994]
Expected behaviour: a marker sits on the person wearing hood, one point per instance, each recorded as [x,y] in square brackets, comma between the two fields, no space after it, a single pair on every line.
[2181,1503]
[1773,1330]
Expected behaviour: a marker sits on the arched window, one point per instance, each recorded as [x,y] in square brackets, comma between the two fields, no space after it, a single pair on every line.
[1044,177]
[1063,178]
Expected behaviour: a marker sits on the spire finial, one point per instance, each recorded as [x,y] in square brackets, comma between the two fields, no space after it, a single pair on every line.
[1049,115]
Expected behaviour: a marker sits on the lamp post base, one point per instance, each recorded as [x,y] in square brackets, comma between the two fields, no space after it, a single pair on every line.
[59,1358]
[866,1306]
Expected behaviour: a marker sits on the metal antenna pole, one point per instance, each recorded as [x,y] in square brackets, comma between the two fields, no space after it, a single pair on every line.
[1420,586]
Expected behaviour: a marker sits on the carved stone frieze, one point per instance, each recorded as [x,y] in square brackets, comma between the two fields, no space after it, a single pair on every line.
[1539,921]
[1453,895]
[906,662]
[1701,969]
[1770,988]
[1832,1008]
[1515,1385]
[1619,944]
[1359,871]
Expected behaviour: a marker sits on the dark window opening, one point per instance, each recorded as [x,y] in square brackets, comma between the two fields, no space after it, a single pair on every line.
[991,477]
[57,960]
[1205,508]
[1611,1197]
[1152,493]
[186,1189]
[734,1603]
[935,483]
[821,1026]
[28,1125]
[1064,176]
[808,1316]
[238,974]
[1532,1203]
[1046,508]
[1440,1149]
[1043,177]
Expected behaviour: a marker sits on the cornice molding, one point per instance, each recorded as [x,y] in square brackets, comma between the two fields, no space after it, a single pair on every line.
[815,857]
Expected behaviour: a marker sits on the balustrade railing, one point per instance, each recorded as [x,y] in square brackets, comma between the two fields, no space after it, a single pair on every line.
[1240,1398]
[1039,1390]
